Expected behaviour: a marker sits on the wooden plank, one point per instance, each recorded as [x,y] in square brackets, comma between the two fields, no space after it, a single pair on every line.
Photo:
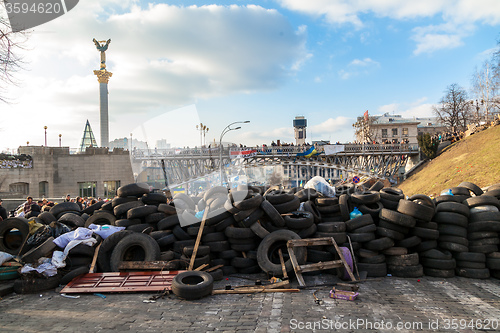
[198,240]
[254,291]
[348,269]
[211,269]
[296,266]
[310,242]
[201,267]
[145,265]
[321,266]
[94,259]
[283,268]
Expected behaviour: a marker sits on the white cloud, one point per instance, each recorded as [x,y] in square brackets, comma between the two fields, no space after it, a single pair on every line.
[459,15]
[359,67]
[332,125]
[161,56]
[418,108]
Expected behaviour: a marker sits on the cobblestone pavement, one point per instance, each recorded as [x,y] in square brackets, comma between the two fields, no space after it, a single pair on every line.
[431,305]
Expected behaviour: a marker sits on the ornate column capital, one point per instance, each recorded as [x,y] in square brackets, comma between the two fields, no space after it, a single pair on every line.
[103,75]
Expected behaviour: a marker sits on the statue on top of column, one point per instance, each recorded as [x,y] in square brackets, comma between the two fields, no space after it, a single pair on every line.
[102,48]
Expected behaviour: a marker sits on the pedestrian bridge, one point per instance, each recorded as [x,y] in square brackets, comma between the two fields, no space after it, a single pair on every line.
[180,166]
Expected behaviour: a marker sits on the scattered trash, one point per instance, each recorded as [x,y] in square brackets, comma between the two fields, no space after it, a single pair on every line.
[70,296]
[99,295]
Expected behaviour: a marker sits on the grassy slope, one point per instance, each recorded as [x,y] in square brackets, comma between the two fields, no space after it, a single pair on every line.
[475,159]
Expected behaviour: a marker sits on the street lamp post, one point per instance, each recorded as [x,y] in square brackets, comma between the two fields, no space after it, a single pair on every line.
[224,131]
[45,128]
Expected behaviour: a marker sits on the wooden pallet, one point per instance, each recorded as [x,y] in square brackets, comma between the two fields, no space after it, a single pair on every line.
[299,269]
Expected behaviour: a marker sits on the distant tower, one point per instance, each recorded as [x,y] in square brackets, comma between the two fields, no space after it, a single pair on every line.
[299,126]
[88,139]
[103,77]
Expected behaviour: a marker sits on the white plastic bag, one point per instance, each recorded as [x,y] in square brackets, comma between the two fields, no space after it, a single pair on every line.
[105,230]
[321,185]
[44,266]
[58,259]
[4,257]
[78,234]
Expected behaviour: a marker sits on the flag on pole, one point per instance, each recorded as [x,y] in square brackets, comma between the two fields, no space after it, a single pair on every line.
[366,115]
[308,153]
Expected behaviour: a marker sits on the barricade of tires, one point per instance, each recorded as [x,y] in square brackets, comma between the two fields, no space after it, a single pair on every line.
[246,228]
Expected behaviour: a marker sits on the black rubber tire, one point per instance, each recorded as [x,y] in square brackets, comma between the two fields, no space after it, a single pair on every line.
[472,187]
[481,216]
[299,220]
[180,234]
[251,219]
[344,207]
[485,241]
[481,234]
[198,261]
[379,258]
[316,256]
[289,206]
[416,210]
[168,222]
[253,201]
[133,190]
[240,262]
[436,254]
[406,271]
[397,218]
[64,207]
[141,212]
[193,231]
[272,213]
[395,251]
[154,218]
[119,200]
[471,256]
[423,199]
[454,247]
[226,223]
[166,241]
[483,248]
[326,201]
[493,263]
[427,225]
[9,244]
[217,275]
[425,233]
[367,228]
[167,209]
[126,222]
[259,230]
[216,237]
[192,285]
[446,264]
[391,193]
[425,246]
[82,250]
[452,230]
[377,186]
[307,194]
[140,228]
[389,225]
[217,215]
[484,200]
[451,218]
[327,210]
[403,260]
[379,244]
[72,220]
[270,244]
[361,237]
[154,198]
[473,273]
[47,218]
[383,232]
[372,209]
[34,285]
[484,226]
[332,227]
[122,209]
[100,218]
[358,222]
[310,207]
[307,232]
[453,207]
[439,273]
[107,247]
[389,204]
[470,264]
[409,242]
[454,239]
[277,197]
[73,274]
[339,237]
[229,254]
[40,251]
[366,197]
[219,246]
[92,208]
[373,270]
[136,247]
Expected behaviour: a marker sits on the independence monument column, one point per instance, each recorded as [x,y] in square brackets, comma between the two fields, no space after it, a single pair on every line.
[103,77]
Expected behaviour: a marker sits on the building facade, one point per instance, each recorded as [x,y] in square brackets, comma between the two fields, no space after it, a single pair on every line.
[53,173]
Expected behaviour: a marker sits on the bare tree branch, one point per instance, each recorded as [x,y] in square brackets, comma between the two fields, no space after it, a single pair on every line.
[455,109]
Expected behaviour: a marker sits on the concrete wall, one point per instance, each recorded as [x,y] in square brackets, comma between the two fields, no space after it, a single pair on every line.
[63,171]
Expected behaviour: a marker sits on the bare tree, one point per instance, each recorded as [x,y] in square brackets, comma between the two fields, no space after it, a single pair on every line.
[455,109]
[10,61]
[485,85]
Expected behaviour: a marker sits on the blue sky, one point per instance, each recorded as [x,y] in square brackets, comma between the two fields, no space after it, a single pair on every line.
[216,62]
